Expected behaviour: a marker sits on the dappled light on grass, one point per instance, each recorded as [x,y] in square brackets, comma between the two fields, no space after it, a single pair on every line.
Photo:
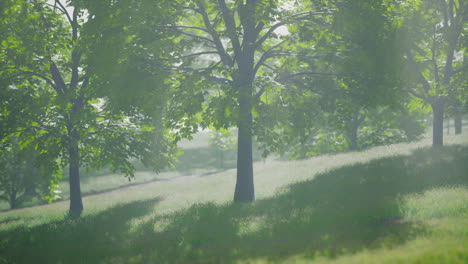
[348,212]
[340,212]
[90,239]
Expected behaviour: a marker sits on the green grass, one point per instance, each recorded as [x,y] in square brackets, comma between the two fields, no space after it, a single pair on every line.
[404,203]
[198,158]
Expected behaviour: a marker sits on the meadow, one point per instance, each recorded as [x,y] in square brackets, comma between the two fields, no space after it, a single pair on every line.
[403,203]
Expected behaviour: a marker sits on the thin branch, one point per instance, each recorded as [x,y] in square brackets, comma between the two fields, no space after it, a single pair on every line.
[191,27]
[44,77]
[266,55]
[301,84]
[268,66]
[220,80]
[415,94]
[191,8]
[296,17]
[434,61]
[227,60]
[196,36]
[425,83]
[65,12]
[313,73]
[200,53]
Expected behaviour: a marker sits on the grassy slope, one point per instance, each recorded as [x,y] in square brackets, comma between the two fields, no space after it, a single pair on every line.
[394,204]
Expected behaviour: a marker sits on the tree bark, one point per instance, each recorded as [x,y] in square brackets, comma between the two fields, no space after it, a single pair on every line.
[438,123]
[244,191]
[458,122]
[76,204]
[448,126]
[354,126]
[12,200]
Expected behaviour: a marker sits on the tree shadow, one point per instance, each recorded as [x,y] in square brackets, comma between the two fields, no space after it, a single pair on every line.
[338,212]
[90,239]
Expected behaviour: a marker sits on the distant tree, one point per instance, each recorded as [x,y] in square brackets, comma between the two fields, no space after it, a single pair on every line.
[351,68]
[434,48]
[222,140]
[23,175]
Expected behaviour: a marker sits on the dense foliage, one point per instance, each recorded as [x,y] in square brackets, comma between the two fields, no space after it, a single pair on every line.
[86,84]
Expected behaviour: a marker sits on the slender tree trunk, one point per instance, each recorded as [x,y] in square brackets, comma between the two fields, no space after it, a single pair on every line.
[13,200]
[448,126]
[354,126]
[244,191]
[76,204]
[458,122]
[353,139]
[438,123]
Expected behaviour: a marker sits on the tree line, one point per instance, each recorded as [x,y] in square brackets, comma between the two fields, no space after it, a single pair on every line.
[85,83]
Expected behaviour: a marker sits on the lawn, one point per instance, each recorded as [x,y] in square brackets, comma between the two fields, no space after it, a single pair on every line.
[404,203]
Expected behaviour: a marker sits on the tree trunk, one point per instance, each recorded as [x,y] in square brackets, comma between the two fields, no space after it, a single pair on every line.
[353,140]
[13,200]
[244,191]
[76,204]
[438,123]
[458,122]
[448,126]
[354,126]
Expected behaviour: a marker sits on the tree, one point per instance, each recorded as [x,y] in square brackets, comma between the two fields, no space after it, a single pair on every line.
[239,40]
[351,67]
[434,32]
[47,47]
[23,175]
[222,140]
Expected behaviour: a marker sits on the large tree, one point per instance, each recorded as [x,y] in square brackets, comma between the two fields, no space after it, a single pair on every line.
[47,46]
[434,51]
[238,41]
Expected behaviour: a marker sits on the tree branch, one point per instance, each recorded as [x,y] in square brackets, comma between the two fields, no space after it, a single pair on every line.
[196,36]
[425,83]
[64,11]
[226,59]
[266,55]
[313,73]
[230,24]
[60,85]
[200,53]
[191,8]
[287,20]
[415,94]
[192,27]
[44,77]
[299,83]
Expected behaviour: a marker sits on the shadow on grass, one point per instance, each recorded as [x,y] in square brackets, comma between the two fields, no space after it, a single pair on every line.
[90,239]
[341,211]
[344,210]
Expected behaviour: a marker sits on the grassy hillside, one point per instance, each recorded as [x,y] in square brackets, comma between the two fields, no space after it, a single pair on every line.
[404,203]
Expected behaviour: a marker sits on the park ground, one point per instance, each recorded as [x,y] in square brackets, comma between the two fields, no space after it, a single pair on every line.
[402,203]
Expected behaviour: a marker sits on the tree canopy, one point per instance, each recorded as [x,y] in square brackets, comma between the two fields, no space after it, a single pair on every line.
[89,83]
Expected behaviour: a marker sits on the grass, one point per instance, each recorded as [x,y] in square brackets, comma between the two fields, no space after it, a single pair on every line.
[404,203]
[198,158]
